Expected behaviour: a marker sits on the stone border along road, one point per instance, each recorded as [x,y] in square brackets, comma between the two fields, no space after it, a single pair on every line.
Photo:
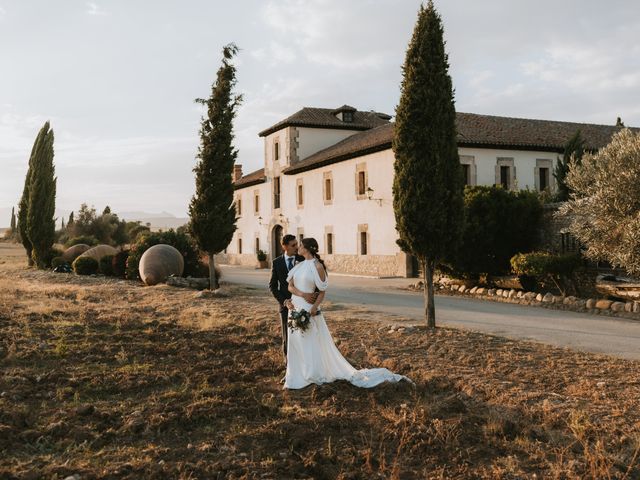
[629,309]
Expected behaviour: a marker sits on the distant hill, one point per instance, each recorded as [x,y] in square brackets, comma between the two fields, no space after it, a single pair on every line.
[158,221]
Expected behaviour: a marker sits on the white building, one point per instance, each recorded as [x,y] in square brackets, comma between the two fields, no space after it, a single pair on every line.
[328,174]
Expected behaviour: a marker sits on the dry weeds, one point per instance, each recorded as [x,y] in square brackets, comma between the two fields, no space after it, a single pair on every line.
[108,379]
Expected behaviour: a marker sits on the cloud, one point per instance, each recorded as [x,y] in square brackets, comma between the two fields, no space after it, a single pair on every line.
[3,12]
[275,54]
[94,9]
[332,33]
[587,67]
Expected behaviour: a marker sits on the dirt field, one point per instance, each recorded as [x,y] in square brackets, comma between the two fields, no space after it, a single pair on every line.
[108,379]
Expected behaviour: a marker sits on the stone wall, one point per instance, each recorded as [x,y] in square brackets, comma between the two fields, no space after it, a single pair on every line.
[373,265]
[370,265]
[245,259]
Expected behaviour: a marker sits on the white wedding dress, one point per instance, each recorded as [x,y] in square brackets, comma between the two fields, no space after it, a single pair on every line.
[312,357]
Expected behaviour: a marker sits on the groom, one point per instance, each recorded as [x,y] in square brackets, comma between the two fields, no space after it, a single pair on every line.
[278,284]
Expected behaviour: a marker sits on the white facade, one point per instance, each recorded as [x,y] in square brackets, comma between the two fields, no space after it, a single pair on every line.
[350,220]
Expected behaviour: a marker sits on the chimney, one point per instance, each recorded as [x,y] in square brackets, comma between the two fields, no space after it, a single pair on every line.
[237,172]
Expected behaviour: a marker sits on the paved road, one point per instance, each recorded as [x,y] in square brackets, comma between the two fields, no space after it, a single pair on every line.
[594,333]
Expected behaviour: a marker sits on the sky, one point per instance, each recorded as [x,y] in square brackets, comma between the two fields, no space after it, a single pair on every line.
[118,79]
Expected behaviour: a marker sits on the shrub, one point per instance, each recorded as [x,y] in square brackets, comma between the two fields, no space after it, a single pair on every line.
[85,266]
[86,239]
[542,267]
[498,224]
[181,241]
[106,265]
[58,261]
[119,263]
[50,255]
[262,256]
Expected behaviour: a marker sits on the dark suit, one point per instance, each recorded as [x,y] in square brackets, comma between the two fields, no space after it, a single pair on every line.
[280,290]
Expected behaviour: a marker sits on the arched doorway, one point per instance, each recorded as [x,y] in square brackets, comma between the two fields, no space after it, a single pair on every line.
[276,248]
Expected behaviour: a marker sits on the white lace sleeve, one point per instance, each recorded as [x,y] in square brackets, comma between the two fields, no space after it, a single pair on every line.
[321,284]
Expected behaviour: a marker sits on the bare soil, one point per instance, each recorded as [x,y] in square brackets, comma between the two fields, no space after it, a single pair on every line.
[105,378]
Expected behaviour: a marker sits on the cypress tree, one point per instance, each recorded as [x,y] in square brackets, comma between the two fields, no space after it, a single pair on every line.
[41,223]
[428,183]
[212,211]
[13,220]
[62,226]
[23,205]
[70,221]
[573,152]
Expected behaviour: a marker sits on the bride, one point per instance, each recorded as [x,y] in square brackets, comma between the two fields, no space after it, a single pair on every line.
[312,357]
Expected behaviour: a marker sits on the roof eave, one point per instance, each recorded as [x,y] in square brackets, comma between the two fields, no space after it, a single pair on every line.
[292,170]
[251,183]
[275,128]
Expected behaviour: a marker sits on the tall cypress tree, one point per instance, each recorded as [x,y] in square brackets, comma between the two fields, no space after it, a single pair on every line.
[41,224]
[428,183]
[573,152]
[13,220]
[23,205]
[212,211]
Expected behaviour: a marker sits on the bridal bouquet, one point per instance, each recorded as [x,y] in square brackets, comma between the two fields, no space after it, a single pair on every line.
[299,320]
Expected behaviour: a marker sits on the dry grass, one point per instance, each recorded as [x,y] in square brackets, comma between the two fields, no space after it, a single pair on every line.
[108,379]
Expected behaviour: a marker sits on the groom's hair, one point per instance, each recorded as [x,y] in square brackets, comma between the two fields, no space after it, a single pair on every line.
[287,239]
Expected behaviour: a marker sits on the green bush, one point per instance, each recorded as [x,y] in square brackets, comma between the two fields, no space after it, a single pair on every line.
[498,224]
[119,263]
[57,261]
[180,241]
[106,265]
[262,256]
[50,255]
[543,267]
[85,266]
[86,239]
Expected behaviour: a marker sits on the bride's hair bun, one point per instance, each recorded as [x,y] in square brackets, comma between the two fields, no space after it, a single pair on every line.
[311,244]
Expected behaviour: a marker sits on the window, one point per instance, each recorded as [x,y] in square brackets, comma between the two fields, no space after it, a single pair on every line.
[543,180]
[276,151]
[256,202]
[327,189]
[300,237]
[329,243]
[469,172]
[276,192]
[466,171]
[299,193]
[239,206]
[257,244]
[363,243]
[347,116]
[542,174]
[505,174]
[239,245]
[362,183]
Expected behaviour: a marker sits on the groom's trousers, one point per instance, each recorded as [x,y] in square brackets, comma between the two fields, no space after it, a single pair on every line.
[284,315]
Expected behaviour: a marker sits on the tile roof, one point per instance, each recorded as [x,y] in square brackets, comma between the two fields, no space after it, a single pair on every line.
[326,118]
[474,130]
[253,178]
